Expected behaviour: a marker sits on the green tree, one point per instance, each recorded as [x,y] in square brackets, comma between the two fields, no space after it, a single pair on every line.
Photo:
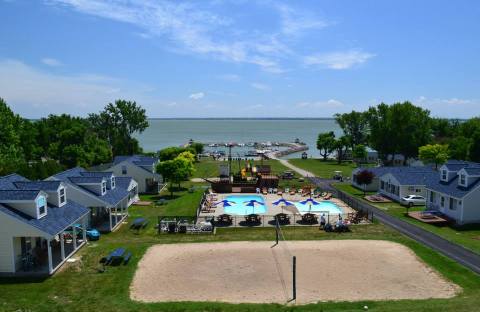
[459,147]
[474,151]
[11,151]
[175,171]
[341,146]
[354,126]
[326,144]
[172,152]
[197,147]
[359,153]
[400,128]
[437,154]
[117,123]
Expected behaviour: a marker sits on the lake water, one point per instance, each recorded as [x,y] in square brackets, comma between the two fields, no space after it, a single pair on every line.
[175,132]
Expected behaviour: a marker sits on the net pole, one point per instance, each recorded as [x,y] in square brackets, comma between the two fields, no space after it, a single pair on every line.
[294,279]
[276,233]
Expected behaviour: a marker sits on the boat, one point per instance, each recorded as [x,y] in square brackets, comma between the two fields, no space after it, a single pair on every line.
[251,154]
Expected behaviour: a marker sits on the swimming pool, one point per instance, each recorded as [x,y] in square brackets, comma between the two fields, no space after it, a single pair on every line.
[238,207]
[323,206]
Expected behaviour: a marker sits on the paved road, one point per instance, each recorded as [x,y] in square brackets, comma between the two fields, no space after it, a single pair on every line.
[454,251]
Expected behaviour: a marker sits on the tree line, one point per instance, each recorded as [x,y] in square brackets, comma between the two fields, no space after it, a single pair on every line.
[402,129]
[40,148]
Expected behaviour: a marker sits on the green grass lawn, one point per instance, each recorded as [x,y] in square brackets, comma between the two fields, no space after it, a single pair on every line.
[79,287]
[323,169]
[467,236]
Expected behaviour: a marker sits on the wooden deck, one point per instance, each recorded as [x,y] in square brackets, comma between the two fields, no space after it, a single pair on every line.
[427,217]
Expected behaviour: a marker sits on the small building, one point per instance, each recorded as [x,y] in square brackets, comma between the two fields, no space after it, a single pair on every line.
[372,156]
[40,226]
[400,172]
[455,192]
[405,181]
[107,200]
[141,169]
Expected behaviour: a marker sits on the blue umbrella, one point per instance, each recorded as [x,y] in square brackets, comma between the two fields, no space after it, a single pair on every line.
[226,203]
[252,203]
[283,201]
[310,201]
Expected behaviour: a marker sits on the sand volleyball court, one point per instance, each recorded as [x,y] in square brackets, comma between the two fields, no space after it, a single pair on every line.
[253,272]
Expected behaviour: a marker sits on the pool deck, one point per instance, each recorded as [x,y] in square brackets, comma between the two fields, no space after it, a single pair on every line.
[271,208]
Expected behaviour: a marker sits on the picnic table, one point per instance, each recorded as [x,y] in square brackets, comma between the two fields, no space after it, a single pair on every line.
[139,223]
[117,257]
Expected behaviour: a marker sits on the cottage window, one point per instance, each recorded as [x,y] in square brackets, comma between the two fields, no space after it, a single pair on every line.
[382,185]
[444,175]
[432,197]
[41,205]
[104,187]
[124,169]
[442,201]
[452,204]
[411,188]
[418,190]
[62,196]
[113,182]
[462,179]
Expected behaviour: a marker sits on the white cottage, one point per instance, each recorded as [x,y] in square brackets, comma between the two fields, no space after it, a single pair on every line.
[455,192]
[40,226]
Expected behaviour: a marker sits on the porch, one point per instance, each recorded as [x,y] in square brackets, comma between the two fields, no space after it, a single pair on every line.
[107,219]
[45,255]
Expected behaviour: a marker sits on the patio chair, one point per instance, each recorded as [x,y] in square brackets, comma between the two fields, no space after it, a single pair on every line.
[287,190]
[293,191]
[264,191]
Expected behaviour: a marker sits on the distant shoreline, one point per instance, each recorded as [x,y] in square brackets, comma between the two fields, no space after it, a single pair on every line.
[244,118]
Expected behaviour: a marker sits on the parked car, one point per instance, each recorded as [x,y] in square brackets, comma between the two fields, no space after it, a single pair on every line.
[287,175]
[413,200]
[92,234]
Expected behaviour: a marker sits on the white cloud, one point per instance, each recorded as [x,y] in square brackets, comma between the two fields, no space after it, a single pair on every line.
[452,107]
[294,22]
[34,93]
[260,86]
[172,104]
[194,28]
[51,62]
[197,96]
[339,60]
[332,103]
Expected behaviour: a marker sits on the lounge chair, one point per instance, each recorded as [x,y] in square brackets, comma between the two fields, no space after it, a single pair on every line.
[279,192]
[328,196]
[293,192]
[270,190]
[287,190]
[264,191]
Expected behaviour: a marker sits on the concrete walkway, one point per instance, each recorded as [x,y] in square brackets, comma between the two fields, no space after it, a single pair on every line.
[300,171]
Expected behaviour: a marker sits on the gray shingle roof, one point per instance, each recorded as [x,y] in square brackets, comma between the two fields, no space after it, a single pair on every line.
[139,160]
[56,220]
[105,174]
[473,171]
[123,182]
[409,177]
[7,182]
[452,188]
[379,171]
[81,180]
[7,195]
[38,185]
[76,176]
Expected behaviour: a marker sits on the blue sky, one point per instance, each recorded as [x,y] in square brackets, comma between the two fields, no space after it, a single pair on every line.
[238,58]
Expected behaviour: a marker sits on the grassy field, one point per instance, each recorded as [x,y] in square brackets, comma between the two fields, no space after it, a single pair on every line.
[79,287]
[323,169]
[467,236]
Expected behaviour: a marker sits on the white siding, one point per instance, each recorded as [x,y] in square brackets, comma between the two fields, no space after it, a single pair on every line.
[10,228]
[471,207]
[137,173]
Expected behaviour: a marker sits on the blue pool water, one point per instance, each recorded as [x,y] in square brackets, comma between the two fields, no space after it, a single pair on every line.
[324,206]
[240,208]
